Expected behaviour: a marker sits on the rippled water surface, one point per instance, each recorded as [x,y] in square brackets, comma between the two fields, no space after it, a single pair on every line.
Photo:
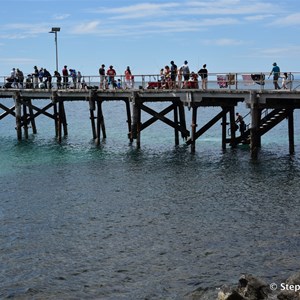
[112,222]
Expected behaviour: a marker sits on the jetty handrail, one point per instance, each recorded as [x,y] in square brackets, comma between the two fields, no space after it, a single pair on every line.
[219,80]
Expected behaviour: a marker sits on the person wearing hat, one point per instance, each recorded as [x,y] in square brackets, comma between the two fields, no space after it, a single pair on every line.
[276,73]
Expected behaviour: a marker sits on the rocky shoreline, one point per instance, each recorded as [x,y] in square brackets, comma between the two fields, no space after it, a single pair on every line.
[250,287]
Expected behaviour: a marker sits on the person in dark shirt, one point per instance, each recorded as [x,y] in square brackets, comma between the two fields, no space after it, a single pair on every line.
[173,74]
[240,120]
[102,76]
[58,79]
[48,79]
[203,74]
[35,77]
[65,75]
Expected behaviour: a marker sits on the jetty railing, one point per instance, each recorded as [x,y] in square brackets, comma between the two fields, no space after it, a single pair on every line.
[220,80]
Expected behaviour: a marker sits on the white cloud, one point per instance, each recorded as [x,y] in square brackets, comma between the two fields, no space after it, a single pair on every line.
[61,16]
[221,7]
[26,28]
[17,60]
[230,7]
[224,42]
[258,17]
[292,19]
[86,28]
[138,11]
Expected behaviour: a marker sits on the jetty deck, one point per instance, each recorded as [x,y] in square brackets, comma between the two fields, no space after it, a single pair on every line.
[267,108]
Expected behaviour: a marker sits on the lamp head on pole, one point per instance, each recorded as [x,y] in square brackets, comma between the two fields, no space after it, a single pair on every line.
[54,29]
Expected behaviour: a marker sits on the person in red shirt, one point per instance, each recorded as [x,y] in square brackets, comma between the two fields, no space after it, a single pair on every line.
[111,73]
[128,78]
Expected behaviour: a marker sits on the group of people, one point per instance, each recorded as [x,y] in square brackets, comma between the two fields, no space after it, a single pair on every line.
[107,78]
[174,77]
[170,77]
[16,79]
[42,79]
[286,78]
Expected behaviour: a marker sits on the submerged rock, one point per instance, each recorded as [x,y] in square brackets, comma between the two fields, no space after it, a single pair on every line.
[249,288]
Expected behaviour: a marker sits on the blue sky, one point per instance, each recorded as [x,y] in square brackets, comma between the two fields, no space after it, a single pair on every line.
[227,35]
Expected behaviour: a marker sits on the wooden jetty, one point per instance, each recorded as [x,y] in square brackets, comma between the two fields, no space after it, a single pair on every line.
[267,108]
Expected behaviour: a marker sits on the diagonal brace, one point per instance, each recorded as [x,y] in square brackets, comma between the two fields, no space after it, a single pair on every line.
[209,124]
[160,116]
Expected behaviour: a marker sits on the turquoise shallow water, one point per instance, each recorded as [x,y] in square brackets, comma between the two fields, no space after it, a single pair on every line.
[113,222]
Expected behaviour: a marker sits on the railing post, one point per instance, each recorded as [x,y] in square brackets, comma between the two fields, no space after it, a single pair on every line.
[143,81]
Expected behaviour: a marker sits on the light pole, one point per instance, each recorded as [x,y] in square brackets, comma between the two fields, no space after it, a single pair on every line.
[55,30]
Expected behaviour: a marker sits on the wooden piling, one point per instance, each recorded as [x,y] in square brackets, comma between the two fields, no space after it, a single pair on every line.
[31,114]
[64,118]
[258,116]
[103,123]
[176,132]
[182,121]
[291,131]
[18,116]
[100,123]
[60,121]
[92,118]
[194,127]
[138,127]
[54,100]
[224,128]
[56,117]
[136,120]
[92,105]
[232,127]
[255,117]
[128,113]
[25,119]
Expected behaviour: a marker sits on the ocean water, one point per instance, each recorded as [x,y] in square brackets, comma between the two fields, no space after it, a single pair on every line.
[79,221]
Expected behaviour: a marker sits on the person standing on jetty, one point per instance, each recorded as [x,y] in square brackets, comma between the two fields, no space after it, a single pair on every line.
[13,77]
[185,71]
[111,73]
[58,79]
[240,120]
[73,75]
[173,74]
[65,75]
[48,80]
[20,78]
[276,73]
[128,78]
[102,76]
[35,76]
[79,78]
[203,74]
